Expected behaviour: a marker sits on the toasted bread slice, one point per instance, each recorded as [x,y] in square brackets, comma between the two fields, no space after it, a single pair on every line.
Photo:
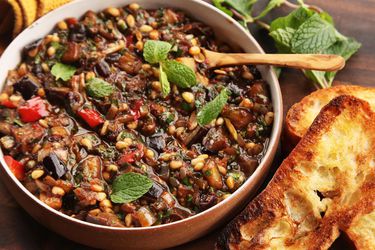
[301,115]
[359,221]
[303,204]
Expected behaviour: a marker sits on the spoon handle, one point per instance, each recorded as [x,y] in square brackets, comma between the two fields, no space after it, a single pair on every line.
[300,61]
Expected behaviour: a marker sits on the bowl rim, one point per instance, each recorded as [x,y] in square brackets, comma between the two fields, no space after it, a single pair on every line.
[266,160]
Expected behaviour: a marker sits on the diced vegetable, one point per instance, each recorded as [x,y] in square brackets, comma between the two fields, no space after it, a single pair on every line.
[16,167]
[33,110]
[91,117]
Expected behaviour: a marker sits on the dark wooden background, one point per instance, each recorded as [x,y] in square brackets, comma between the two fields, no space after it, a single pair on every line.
[354,18]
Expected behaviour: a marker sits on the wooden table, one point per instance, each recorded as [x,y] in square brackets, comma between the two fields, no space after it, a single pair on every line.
[353,18]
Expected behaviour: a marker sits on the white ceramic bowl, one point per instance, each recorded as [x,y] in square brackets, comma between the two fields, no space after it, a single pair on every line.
[162,236]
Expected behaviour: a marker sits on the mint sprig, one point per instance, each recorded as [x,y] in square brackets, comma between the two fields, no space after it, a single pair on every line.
[129,187]
[63,71]
[179,74]
[165,86]
[170,70]
[212,109]
[307,29]
[98,88]
[156,51]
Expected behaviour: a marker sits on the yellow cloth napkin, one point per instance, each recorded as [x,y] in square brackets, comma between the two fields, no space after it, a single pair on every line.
[15,15]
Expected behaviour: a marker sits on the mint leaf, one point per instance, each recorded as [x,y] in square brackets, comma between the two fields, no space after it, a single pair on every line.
[63,71]
[165,86]
[270,6]
[212,109]
[179,74]
[313,36]
[244,7]
[283,38]
[156,51]
[293,20]
[129,187]
[219,4]
[98,88]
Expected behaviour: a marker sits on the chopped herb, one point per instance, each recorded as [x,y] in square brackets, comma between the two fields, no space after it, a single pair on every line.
[98,88]
[63,71]
[129,187]
[212,109]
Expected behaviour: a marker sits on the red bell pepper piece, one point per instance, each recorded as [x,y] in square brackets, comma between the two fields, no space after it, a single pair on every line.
[8,104]
[131,157]
[16,167]
[33,110]
[71,21]
[91,117]
[136,110]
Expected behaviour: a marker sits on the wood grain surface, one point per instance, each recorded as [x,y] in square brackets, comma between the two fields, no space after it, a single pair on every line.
[352,17]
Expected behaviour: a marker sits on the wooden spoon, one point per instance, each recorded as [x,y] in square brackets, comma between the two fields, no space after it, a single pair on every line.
[300,61]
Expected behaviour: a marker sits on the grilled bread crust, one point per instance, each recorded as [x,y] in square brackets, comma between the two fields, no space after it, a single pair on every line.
[301,115]
[315,187]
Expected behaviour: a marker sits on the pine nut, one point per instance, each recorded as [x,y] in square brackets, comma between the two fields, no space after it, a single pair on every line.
[121,145]
[230,182]
[96,188]
[145,28]
[150,154]
[105,203]
[112,168]
[128,220]
[130,20]
[222,170]
[188,97]
[247,103]
[113,11]
[62,25]
[139,45]
[154,35]
[51,51]
[134,6]
[36,174]
[194,50]
[43,123]
[268,118]
[4,97]
[198,166]
[175,164]
[58,191]
[219,121]
[171,129]
[101,196]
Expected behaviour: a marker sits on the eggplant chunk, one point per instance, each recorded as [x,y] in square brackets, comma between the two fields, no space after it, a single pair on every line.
[216,139]
[72,53]
[240,117]
[27,86]
[54,166]
[104,218]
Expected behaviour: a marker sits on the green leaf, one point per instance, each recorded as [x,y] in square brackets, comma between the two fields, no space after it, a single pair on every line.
[283,38]
[244,7]
[129,187]
[345,48]
[156,51]
[212,109]
[98,88]
[165,86]
[327,17]
[313,36]
[179,74]
[295,19]
[219,4]
[270,6]
[63,71]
